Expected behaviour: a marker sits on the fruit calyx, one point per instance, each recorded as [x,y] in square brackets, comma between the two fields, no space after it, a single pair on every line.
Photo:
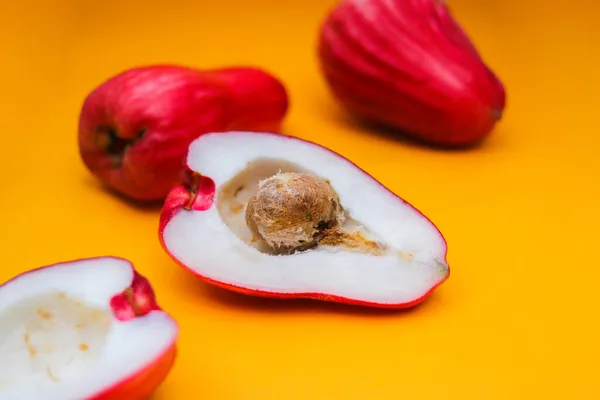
[201,191]
[114,145]
[135,301]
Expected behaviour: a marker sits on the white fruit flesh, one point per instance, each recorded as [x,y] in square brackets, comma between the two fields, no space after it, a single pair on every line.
[59,338]
[216,243]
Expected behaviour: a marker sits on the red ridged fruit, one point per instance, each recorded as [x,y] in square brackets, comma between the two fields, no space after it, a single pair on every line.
[134,128]
[408,64]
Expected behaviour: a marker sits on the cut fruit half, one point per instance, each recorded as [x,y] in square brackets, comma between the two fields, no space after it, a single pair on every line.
[317,226]
[84,329]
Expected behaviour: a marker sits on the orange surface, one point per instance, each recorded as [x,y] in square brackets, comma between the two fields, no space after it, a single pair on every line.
[517,318]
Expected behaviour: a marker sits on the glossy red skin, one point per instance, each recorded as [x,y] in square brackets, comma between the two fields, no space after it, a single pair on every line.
[145,381]
[410,66]
[201,198]
[159,109]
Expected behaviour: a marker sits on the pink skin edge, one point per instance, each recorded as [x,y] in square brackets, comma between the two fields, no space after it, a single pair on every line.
[465,120]
[180,196]
[169,352]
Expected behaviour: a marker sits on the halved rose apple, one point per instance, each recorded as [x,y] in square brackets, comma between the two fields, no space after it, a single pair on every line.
[277,216]
[85,329]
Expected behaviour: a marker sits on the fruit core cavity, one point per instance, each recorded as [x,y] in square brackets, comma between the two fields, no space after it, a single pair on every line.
[50,338]
[114,145]
[280,208]
[296,211]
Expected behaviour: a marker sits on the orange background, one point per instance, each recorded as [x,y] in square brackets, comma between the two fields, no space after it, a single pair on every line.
[516,320]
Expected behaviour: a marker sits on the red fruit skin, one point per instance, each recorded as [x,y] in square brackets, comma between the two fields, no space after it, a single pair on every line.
[408,64]
[182,199]
[145,381]
[262,101]
[135,127]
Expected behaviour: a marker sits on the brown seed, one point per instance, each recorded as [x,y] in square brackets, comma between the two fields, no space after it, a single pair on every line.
[289,211]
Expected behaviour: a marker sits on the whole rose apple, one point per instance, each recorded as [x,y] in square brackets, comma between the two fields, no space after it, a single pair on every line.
[410,66]
[135,128]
